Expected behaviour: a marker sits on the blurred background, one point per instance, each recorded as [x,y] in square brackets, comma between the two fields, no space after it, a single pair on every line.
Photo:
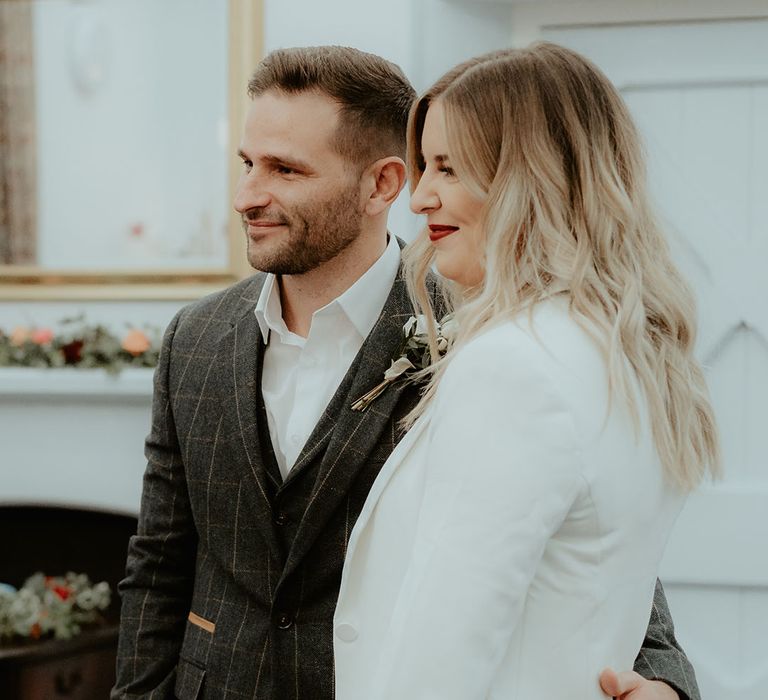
[119,127]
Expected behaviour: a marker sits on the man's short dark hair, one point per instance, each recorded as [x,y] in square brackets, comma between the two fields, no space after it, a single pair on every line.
[373,93]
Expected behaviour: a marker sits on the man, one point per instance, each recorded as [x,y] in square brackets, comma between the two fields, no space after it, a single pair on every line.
[257,466]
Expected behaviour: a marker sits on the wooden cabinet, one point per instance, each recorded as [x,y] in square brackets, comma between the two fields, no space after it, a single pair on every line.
[82,668]
[55,540]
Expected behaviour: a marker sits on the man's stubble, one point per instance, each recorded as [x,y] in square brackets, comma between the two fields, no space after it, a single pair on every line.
[315,233]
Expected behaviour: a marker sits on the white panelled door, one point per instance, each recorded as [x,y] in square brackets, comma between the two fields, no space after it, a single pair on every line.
[699,93]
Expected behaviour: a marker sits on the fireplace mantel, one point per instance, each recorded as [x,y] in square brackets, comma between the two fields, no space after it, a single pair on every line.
[74,437]
[68,381]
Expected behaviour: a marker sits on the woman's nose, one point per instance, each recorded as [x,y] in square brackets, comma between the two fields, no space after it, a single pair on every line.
[424,199]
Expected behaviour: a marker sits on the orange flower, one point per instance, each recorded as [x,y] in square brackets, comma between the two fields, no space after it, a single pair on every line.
[41,336]
[136,343]
[20,335]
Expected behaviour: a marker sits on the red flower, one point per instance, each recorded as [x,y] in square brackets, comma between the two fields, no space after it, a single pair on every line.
[73,352]
[62,591]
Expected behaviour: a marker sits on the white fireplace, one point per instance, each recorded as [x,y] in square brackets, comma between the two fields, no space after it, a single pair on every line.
[74,437]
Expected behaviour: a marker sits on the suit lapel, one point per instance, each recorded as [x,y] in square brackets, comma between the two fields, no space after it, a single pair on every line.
[236,373]
[347,437]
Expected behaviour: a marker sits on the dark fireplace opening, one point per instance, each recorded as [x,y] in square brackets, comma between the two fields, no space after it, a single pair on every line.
[55,540]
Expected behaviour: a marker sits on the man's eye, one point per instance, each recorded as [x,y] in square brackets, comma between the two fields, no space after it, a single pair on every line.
[247,164]
[285,170]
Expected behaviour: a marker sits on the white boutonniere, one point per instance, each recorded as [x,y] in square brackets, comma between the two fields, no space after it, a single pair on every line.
[413,354]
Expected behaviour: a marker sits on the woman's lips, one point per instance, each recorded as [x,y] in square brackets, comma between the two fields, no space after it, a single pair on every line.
[436,232]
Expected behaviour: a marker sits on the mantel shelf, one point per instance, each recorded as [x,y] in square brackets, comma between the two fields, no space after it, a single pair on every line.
[26,382]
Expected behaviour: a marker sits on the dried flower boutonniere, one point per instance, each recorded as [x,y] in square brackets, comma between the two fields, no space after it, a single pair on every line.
[413,354]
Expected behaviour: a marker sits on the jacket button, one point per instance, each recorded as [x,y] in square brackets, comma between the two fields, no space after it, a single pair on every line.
[280,518]
[345,632]
[284,621]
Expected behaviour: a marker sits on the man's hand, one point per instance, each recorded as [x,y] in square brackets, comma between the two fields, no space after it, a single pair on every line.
[632,686]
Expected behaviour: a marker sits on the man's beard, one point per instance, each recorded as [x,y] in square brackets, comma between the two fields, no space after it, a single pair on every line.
[316,233]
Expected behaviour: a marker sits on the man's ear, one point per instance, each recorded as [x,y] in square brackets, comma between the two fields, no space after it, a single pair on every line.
[386,178]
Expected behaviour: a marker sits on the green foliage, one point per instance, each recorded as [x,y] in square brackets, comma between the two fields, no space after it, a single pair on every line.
[78,344]
[51,606]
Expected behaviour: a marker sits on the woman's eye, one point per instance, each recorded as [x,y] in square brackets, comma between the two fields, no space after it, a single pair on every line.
[447,171]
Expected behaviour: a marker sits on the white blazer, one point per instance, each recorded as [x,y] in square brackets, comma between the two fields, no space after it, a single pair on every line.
[509,547]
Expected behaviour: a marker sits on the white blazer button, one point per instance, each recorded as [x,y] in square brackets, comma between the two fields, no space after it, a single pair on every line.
[345,632]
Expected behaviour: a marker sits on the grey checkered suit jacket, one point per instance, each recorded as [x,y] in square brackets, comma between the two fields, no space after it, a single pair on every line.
[233,575]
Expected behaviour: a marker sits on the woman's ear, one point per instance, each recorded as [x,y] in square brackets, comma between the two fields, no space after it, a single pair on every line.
[387,178]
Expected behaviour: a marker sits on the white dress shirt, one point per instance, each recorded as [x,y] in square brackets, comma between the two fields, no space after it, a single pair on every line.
[301,375]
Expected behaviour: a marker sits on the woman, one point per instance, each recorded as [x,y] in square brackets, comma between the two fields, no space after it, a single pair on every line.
[510,545]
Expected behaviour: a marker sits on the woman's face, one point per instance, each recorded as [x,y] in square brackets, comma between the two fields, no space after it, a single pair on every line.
[453,214]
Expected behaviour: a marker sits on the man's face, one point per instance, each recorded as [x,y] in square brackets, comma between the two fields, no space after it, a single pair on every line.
[299,199]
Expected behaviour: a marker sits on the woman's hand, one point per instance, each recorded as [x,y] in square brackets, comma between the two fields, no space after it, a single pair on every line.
[632,686]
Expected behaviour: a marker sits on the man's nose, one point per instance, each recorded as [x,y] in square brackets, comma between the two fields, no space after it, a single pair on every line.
[250,194]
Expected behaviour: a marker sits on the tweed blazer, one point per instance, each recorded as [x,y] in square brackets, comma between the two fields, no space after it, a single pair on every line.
[233,575]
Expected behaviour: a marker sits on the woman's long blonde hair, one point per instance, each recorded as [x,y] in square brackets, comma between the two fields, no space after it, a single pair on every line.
[542,136]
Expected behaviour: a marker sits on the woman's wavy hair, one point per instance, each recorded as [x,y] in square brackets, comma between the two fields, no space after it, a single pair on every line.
[546,141]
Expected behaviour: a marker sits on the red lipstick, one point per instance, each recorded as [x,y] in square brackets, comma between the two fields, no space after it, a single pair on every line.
[436,231]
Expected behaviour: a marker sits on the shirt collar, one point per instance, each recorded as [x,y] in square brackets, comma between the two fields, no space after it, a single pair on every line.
[361,303]
[269,312]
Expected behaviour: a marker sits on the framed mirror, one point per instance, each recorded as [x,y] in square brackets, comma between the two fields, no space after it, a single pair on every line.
[119,124]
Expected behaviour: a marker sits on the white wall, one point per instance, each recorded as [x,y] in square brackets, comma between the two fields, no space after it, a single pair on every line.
[114,315]
[450,31]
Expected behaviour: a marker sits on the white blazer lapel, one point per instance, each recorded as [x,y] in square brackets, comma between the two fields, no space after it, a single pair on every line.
[386,473]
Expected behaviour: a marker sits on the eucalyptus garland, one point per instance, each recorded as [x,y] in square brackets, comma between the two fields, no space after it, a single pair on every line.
[79,344]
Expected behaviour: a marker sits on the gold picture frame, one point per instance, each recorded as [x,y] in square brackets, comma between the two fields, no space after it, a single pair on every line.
[25,283]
